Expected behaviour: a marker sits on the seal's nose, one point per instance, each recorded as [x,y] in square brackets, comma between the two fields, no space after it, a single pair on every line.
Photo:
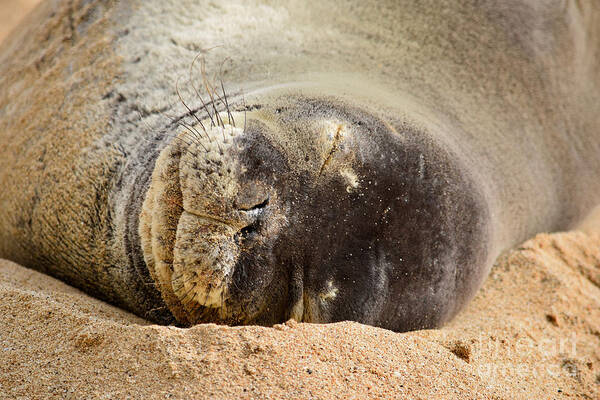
[383,224]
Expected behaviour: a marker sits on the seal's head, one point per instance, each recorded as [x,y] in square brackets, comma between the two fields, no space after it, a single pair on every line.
[316,210]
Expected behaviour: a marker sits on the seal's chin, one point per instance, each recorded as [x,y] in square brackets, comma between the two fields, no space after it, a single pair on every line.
[318,211]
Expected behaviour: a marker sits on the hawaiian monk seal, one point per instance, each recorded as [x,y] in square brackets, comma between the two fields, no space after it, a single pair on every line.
[363,160]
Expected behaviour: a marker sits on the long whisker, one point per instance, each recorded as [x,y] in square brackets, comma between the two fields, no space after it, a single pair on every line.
[224,94]
[212,121]
[210,93]
[189,109]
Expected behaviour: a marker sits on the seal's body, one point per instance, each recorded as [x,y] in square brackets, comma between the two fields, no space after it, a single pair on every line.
[363,161]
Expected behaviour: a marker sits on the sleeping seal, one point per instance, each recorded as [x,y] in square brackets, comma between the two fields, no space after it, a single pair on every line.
[246,162]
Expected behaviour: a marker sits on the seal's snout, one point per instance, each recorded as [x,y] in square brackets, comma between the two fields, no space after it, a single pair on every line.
[384,226]
[318,211]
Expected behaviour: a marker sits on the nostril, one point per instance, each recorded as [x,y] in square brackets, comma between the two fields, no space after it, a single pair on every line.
[253,211]
[258,206]
[248,230]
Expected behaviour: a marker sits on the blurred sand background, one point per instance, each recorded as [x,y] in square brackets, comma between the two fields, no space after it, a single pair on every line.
[532,332]
[11,12]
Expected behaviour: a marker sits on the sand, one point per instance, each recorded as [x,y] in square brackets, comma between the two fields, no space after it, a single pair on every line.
[11,12]
[533,331]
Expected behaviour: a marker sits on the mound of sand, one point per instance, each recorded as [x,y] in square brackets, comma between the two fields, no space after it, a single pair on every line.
[533,331]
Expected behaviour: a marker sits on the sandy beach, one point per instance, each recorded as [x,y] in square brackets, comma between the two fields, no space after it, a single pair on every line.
[532,332]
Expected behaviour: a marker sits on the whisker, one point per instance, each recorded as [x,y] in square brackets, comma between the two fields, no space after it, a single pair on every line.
[225,95]
[212,121]
[245,109]
[189,109]
[210,94]
[194,132]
